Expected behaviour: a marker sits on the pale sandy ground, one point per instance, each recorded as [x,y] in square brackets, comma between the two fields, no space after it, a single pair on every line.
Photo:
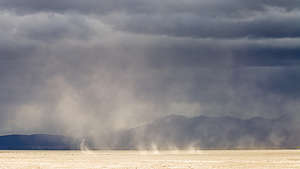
[274,159]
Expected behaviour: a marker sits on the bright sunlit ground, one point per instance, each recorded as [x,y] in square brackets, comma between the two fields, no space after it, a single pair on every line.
[236,159]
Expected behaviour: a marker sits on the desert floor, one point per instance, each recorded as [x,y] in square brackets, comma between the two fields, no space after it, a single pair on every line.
[218,159]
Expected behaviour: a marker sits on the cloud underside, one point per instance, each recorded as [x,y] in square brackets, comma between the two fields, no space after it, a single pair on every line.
[89,66]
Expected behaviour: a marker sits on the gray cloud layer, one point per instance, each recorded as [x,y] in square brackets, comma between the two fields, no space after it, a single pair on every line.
[89,66]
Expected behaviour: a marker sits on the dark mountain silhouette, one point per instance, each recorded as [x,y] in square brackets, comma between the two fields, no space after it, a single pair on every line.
[177,132]
[209,133]
[37,142]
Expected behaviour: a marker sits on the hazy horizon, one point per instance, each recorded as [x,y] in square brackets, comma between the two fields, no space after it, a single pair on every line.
[92,68]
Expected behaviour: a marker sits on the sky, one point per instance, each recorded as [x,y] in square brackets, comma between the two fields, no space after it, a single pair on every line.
[91,66]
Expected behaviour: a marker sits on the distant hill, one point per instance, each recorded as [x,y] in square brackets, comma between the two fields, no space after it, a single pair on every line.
[209,133]
[37,142]
[176,132]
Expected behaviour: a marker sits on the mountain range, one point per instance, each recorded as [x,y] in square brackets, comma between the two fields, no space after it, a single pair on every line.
[37,142]
[176,132]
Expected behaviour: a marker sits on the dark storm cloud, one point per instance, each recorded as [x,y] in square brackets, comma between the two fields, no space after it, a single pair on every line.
[216,6]
[284,83]
[205,19]
[55,27]
[68,66]
[197,26]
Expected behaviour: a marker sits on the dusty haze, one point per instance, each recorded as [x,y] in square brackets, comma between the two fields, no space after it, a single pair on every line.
[87,68]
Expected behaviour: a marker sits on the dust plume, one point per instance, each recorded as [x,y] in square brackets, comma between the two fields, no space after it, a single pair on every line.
[116,73]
